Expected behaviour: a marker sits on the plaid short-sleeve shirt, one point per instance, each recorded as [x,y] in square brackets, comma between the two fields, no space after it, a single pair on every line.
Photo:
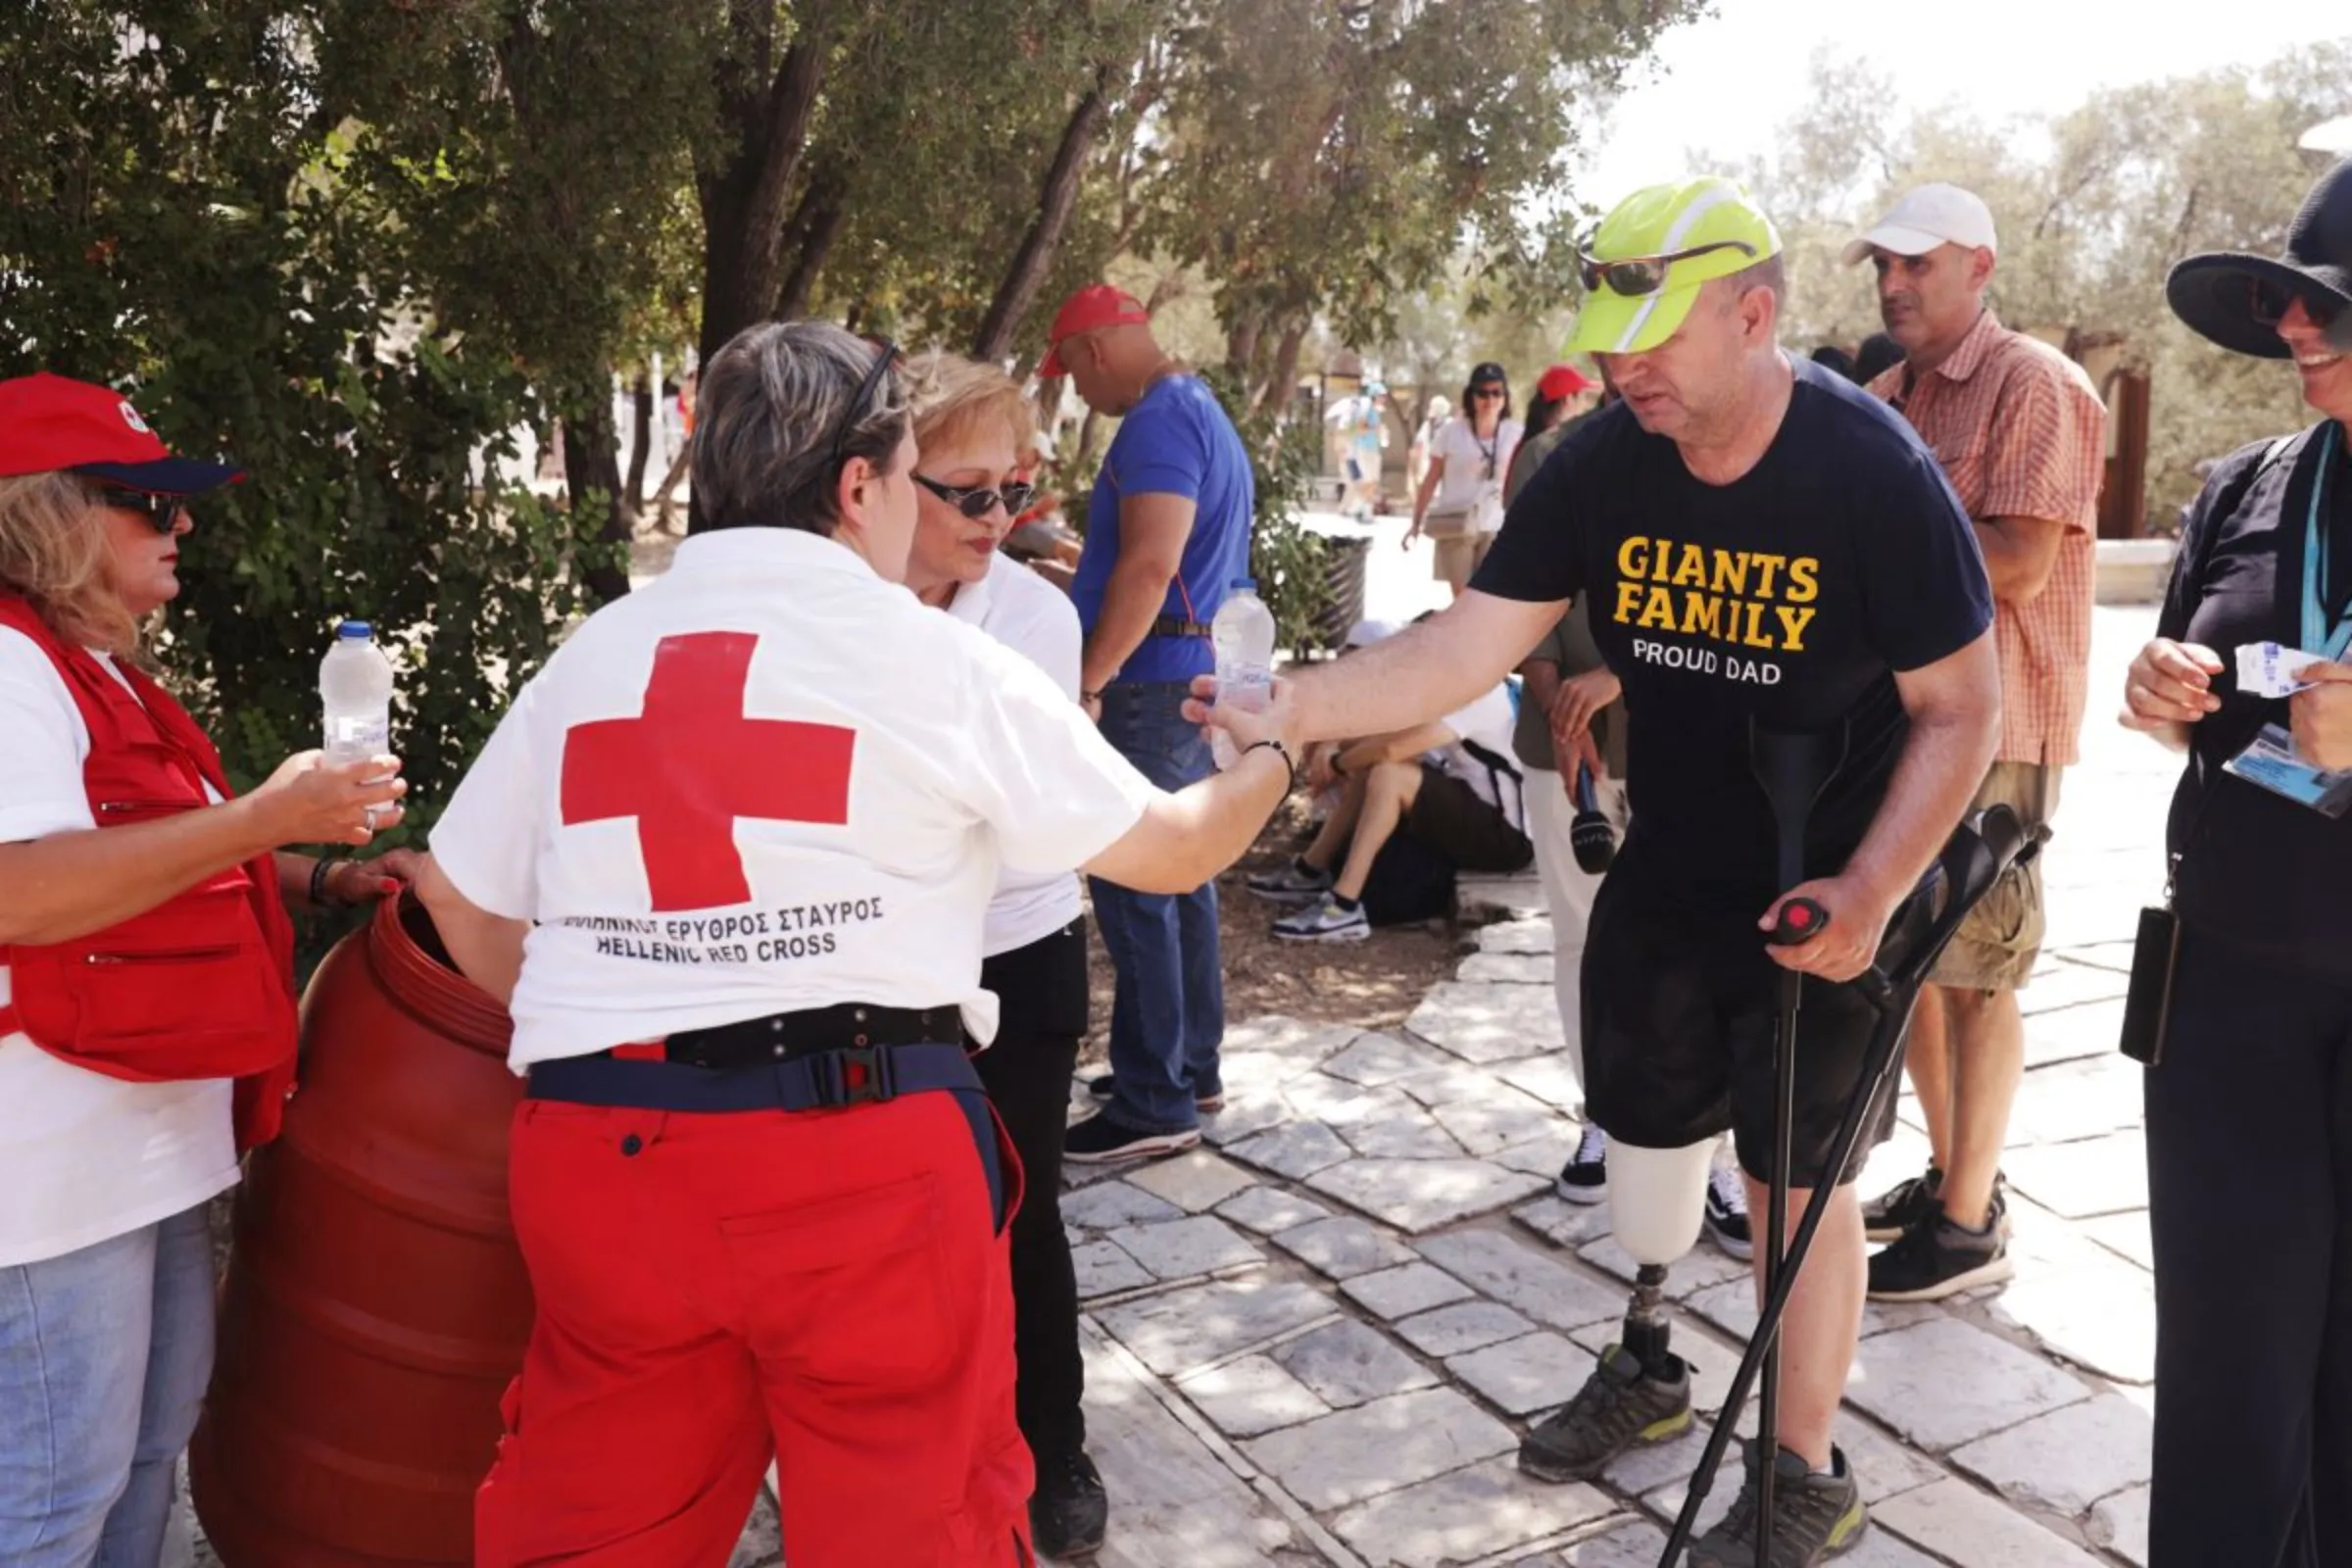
[2021,433]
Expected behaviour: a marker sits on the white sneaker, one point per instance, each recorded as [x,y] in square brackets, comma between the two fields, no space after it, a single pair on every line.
[1584,1179]
[1324,922]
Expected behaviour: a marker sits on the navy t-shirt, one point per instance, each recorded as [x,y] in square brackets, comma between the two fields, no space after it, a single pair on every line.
[1788,597]
[1176,441]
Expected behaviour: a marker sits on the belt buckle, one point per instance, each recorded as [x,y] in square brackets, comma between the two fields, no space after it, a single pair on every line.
[861,1075]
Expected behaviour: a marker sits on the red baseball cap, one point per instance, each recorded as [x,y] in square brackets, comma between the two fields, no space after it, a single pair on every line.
[49,424]
[1563,381]
[1089,310]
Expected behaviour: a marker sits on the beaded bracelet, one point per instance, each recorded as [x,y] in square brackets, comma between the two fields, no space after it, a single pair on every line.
[318,873]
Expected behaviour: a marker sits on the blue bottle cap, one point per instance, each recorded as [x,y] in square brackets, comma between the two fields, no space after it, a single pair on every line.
[355,629]
[1251,583]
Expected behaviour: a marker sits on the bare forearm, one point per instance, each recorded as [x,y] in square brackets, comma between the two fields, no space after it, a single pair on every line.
[1543,678]
[486,948]
[1131,602]
[1187,837]
[1425,672]
[1394,748]
[69,885]
[1944,759]
[2019,554]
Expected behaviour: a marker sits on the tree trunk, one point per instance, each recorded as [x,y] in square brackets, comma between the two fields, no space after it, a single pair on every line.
[743,201]
[1054,204]
[1240,345]
[664,503]
[814,228]
[1278,382]
[600,508]
[641,438]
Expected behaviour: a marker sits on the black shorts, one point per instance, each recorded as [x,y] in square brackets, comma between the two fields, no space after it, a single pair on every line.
[1678,1017]
[1449,816]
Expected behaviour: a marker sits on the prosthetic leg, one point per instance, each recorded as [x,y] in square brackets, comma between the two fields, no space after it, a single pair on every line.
[1975,858]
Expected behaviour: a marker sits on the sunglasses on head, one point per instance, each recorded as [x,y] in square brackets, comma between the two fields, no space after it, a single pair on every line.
[1632,277]
[978,501]
[886,359]
[2271,300]
[162,513]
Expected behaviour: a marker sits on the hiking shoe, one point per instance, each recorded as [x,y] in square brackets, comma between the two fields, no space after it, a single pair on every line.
[1936,1258]
[1902,1205]
[1726,1214]
[1104,1085]
[1098,1141]
[1069,1511]
[1584,1179]
[1325,922]
[1295,883]
[1618,1407]
[1815,1517]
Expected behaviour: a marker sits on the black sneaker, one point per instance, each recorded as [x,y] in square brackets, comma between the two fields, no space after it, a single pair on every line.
[1815,1517]
[1900,1206]
[1098,1141]
[1936,1258]
[1618,1407]
[1103,1086]
[1069,1511]
[1726,1214]
[1584,1179]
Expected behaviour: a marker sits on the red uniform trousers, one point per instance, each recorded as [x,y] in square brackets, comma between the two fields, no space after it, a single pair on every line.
[829,1287]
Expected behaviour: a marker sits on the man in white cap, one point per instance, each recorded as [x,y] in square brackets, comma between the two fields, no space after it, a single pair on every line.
[2022,437]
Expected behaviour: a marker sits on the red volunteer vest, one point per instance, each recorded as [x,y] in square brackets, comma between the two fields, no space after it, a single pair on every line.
[201,986]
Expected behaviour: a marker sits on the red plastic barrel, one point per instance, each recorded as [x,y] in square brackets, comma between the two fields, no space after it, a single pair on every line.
[375,1305]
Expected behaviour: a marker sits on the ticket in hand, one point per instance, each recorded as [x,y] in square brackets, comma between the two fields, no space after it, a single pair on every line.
[2265,669]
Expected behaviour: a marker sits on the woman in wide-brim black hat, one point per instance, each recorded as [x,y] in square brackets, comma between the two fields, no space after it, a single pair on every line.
[2250,1107]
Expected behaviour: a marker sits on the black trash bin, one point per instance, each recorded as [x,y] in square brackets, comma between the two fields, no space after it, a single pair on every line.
[1343,560]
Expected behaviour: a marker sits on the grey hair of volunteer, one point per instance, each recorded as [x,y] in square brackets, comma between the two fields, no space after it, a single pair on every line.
[766,452]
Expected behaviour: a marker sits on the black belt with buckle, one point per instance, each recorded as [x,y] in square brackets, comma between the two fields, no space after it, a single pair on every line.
[783,1036]
[1178,627]
[821,1059]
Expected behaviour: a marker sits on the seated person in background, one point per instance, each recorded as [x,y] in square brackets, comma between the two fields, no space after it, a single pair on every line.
[1448,793]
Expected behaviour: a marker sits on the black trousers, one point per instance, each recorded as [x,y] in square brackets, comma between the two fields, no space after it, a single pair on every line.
[1027,1071]
[2250,1197]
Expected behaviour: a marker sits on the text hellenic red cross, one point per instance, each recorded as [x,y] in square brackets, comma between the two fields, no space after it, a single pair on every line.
[691,764]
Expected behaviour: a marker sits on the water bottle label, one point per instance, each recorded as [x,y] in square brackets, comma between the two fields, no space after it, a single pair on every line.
[352,737]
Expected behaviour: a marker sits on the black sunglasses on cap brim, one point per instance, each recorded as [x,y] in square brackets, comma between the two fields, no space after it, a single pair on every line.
[1632,277]
[978,501]
[162,513]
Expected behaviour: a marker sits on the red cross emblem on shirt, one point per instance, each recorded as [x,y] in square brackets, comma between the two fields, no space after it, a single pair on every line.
[690,764]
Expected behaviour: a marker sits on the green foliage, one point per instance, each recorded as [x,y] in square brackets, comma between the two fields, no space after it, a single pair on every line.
[1291,564]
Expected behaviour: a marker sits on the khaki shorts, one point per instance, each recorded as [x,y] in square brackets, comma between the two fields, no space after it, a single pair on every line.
[1460,555]
[2001,938]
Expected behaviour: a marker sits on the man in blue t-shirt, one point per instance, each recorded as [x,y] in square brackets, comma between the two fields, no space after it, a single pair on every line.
[1760,545]
[1167,531]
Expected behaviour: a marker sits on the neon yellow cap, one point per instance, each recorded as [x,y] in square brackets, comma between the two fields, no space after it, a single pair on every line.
[1661,221]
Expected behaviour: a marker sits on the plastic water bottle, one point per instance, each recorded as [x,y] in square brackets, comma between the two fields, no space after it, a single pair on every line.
[355,688]
[1243,635]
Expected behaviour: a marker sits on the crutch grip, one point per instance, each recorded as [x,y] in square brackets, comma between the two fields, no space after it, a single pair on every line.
[1798,923]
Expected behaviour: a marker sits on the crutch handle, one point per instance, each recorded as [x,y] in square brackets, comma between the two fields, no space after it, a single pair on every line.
[1799,921]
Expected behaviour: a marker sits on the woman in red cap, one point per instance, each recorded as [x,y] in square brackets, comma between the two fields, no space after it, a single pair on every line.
[146,977]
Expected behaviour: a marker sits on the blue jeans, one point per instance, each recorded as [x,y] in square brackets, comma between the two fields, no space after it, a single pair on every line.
[103,1356]
[1167,1014]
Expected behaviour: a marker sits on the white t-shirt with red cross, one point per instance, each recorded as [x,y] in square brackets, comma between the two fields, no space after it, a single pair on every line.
[84,1157]
[1036,620]
[769,781]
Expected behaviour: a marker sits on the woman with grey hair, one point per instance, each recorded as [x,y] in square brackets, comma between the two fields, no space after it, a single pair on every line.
[726,859]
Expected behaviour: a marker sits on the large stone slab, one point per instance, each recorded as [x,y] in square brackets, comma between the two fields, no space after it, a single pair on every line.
[1498,1264]
[1383,1446]
[1267,1209]
[1377,1059]
[1105,1270]
[1401,1292]
[1400,1133]
[1508,969]
[1342,1247]
[1695,1271]
[1517,936]
[1179,1249]
[2124,1235]
[1347,1363]
[1488,1022]
[2073,1033]
[1107,1206]
[1500,1119]
[1464,1325]
[1296,1149]
[1465,1516]
[2099,1314]
[1298,1041]
[2097,1176]
[1564,1224]
[1946,1382]
[1251,1397]
[1550,1079]
[2059,984]
[1535,1372]
[1954,1520]
[1185,1330]
[1421,1194]
[2122,1520]
[1194,1181]
[2069,1459]
[2071,1101]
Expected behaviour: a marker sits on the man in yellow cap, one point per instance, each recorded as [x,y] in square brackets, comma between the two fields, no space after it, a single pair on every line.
[1763,545]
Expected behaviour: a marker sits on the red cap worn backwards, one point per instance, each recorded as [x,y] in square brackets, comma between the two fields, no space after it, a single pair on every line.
[49,424]
[1089,310]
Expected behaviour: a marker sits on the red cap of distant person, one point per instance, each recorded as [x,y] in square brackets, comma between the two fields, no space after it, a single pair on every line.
[1089,310]
[1563,381]
[50,423]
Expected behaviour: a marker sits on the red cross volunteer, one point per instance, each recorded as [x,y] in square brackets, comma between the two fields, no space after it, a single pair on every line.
[728,857]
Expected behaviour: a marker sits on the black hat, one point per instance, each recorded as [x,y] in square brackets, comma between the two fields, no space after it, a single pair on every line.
[1488,372]
[2215,293]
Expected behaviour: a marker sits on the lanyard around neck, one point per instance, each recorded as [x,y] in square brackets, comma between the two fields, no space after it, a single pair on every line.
[2319,636]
